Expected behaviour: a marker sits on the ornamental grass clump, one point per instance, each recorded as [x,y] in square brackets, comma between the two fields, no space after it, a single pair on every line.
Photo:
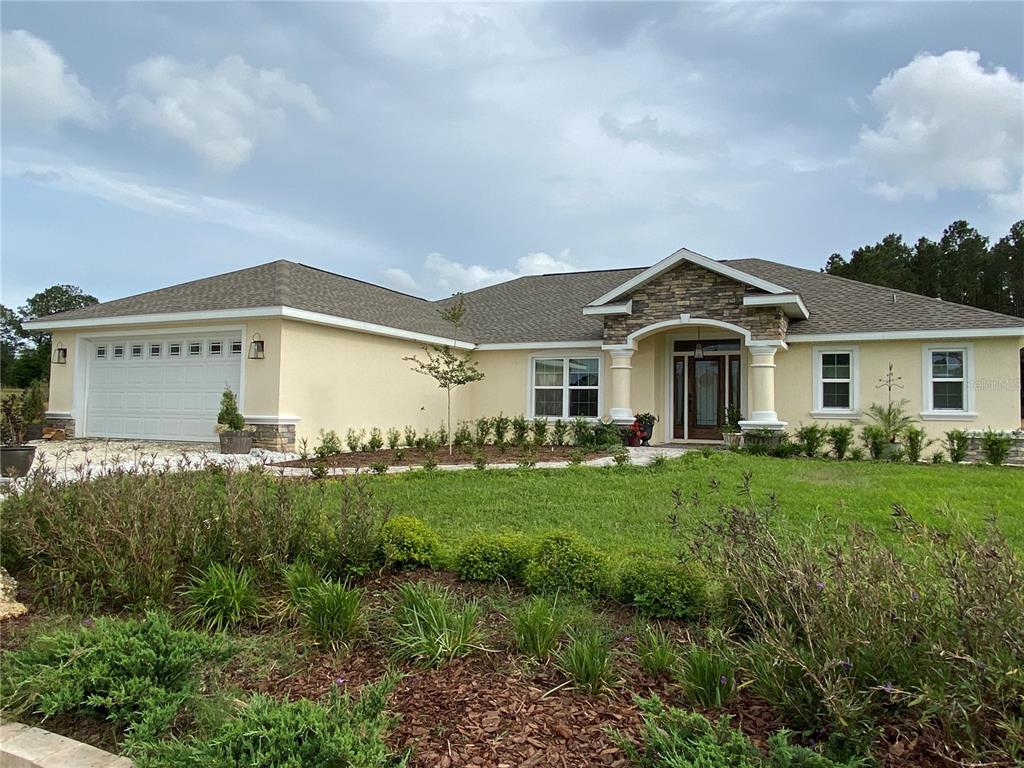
[858,630]
[221,597]
[538,624]
[586,660]
[430,629]
[655,651]
[331,612]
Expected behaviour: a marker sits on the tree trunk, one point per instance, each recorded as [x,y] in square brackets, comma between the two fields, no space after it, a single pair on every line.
[450,441]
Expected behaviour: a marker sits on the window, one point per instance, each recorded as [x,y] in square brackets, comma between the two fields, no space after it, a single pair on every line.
[118,351]
[155,350]
[947,374]
[835,382]
[216,347]
[236,347]
[174,349]
[101,352]
[195,349]
[566,387]
[136,350]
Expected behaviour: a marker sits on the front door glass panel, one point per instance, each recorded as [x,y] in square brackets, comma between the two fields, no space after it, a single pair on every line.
[706,404]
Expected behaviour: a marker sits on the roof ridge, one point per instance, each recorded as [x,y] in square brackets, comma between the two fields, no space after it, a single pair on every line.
[359,280]
[862,283]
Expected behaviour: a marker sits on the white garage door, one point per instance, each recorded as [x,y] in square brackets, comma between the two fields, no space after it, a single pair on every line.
[161,387]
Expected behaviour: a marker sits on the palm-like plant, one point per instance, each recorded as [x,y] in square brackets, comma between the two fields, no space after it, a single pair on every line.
[893,418]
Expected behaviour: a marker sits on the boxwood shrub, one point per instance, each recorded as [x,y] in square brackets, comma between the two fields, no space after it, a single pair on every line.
[407,542]
[493,557]
[662,588]
[562,563]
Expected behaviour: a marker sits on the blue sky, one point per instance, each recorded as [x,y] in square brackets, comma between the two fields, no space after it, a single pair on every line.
[436,148]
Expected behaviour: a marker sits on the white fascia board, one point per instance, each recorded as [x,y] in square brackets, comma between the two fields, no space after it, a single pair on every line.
[380,330]
[610,309]
[171,318]
[958,333]
[790,303]
[685,254]
[585,344]
[165,318]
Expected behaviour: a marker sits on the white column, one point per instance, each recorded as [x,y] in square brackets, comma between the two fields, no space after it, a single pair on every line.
[762,389]
[622,370]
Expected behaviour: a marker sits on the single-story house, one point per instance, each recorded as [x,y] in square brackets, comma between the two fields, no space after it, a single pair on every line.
[685,339]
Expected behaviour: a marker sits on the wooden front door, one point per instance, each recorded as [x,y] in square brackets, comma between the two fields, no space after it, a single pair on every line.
[706,397]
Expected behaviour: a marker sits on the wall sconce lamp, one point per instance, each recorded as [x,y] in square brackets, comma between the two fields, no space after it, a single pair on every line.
[60,355]
[256,347]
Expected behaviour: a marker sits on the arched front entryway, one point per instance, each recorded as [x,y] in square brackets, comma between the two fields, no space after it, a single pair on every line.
[711,371]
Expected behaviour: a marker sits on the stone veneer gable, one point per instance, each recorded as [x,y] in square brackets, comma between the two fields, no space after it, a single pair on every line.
[688,288]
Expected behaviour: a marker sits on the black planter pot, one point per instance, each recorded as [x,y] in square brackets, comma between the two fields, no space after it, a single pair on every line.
[235,442]
[645,435]
[16,460]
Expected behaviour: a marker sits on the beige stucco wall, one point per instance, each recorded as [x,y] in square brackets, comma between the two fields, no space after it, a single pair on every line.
[996,383]
[62,377]
[336,379]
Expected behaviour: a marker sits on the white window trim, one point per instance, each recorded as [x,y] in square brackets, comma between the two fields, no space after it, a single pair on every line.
[177,344]
[101,352]
[820,411]
[188,348]
[160,350]
[209,348]
[565,356]
[131,351]
[930,413]
[113,352]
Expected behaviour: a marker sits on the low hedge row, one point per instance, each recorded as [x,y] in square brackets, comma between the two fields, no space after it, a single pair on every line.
[558,562]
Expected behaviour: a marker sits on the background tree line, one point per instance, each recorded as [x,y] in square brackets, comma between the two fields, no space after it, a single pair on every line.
[25,355]
[961,267]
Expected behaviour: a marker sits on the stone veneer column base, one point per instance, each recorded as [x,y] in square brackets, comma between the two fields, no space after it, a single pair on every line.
[274,437]
[61,421]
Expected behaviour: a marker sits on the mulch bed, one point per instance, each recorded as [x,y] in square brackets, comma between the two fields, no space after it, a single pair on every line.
[492,708]
[416,457]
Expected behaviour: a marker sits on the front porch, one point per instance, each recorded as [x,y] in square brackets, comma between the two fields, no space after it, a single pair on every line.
[699,378]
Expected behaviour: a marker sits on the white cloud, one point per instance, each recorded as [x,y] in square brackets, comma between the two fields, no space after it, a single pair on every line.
[37,87]
[218,112]
[442,276]
[948,123]
[148,198]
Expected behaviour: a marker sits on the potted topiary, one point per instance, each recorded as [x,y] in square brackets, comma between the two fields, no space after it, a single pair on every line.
[15,457]
[235,436]
[731,433]
[646,422]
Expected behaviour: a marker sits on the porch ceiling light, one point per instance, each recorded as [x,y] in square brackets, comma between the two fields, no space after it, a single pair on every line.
[60,355]
[698,349]
[256,347]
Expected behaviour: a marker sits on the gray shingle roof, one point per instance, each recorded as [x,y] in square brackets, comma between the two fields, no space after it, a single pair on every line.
[839,305]
[539,307]
[279,283]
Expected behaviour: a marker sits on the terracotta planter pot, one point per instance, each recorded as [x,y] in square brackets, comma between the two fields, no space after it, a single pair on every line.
[16,460]
[235,442]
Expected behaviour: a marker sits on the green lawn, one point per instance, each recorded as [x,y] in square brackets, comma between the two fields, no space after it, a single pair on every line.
[625,509]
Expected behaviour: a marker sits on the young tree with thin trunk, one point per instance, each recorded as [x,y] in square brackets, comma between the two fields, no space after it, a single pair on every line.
[445,364]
